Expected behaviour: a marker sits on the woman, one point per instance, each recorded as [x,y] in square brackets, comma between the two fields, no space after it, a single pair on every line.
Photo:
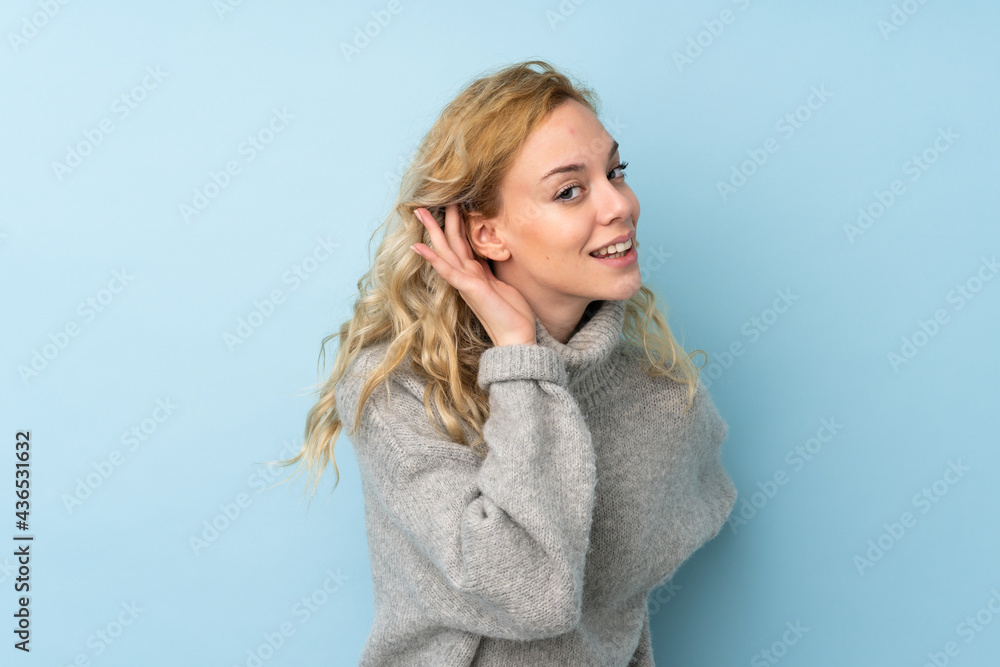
[536,451]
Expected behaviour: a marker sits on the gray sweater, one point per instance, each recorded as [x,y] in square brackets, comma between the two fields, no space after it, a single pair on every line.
[595,489]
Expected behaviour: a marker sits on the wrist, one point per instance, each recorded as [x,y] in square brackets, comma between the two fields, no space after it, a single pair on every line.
[516,341]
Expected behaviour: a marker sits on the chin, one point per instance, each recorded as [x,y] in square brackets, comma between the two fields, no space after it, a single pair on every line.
[627,291]
[619,294]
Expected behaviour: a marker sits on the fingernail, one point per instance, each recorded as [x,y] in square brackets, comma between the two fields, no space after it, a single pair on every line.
[414,249]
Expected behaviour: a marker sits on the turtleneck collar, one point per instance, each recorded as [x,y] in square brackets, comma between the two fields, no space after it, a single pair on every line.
[587,355]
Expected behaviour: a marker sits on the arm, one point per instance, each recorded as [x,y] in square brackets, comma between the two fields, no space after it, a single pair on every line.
[505,540]
[643,656]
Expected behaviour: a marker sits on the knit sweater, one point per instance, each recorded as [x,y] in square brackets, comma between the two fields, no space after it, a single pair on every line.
[595,488]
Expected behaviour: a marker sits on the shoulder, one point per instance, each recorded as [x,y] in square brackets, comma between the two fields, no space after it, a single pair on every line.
[357,374]
[394,413]
[668,396]
[367,361]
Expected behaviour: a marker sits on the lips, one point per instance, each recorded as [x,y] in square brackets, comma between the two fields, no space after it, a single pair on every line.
[614,241]
[613,249]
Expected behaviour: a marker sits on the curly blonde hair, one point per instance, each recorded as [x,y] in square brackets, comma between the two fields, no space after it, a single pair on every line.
[401,299]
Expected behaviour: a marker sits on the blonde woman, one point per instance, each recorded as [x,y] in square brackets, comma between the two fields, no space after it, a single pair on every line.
[537,453]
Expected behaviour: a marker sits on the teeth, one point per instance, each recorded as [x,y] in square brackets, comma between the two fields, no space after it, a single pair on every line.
[613,249]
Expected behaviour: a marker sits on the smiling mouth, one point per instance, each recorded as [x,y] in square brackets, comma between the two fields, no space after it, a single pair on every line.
[612,251]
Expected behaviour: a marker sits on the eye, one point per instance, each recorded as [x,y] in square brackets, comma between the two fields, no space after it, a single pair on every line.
[617,172]
[566,191]
[620,169]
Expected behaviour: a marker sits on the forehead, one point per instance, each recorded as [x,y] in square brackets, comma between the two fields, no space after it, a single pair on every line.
[570,132]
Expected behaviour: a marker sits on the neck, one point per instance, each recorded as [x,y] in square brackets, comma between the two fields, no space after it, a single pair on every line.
[592,367]
[561,320]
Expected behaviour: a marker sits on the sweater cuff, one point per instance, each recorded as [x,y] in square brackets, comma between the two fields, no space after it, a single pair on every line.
[521,362]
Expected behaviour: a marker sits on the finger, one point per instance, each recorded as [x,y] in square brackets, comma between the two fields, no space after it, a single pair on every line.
[490,278]
[453,275]
[454,229]
[437,236]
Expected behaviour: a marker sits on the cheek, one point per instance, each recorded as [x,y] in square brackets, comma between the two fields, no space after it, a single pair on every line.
[565,244]
[574,243]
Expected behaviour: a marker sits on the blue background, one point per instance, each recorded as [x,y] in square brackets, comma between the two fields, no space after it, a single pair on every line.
[328,177]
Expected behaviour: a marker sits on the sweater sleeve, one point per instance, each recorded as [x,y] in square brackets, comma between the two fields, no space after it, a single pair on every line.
[500,542]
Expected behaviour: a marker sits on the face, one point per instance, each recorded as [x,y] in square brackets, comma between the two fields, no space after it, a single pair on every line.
[564,198]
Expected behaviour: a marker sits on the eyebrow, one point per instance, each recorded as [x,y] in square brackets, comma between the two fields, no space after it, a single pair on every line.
[577,167]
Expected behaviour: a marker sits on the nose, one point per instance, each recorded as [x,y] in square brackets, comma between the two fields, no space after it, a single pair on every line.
[613,205]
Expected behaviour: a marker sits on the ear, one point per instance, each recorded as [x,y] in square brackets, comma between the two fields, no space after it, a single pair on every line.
[484,238]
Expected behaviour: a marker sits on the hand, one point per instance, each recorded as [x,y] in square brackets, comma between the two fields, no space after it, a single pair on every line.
[506,316]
